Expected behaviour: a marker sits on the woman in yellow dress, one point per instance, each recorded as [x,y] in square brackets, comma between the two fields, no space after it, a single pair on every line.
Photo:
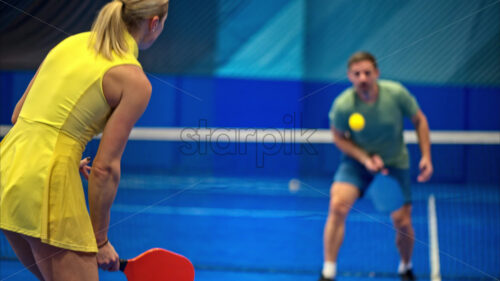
[89,83]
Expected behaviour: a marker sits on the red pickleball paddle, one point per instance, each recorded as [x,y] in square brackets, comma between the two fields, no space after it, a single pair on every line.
[158,265]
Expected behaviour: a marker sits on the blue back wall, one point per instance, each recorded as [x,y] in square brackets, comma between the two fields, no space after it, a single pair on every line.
[280,64]
[199,102]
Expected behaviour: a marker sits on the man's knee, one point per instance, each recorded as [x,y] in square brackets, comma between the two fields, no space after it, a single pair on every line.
[339,208]
[403,222]
[342,197]
[402,217]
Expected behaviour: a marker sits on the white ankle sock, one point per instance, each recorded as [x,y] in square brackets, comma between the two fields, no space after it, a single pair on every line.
[329,269]
[402,268]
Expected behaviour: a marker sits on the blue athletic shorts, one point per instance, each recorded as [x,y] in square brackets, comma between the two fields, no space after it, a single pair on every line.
[353,172]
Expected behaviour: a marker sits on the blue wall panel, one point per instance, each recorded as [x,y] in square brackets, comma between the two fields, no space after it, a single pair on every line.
[149,156]
[482,164]
[254,103]
[230,159]
[20,81]
[258,159]
[483,109]
[196,101]
[322,162]
[6,98]
[448,162]
[317,99]
[161,111]
[12,87]
[445,107]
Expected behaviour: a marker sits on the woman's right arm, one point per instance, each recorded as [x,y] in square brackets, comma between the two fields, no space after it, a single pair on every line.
[133,90]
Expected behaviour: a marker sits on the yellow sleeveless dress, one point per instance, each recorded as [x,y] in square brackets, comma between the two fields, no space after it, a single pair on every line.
[41,193]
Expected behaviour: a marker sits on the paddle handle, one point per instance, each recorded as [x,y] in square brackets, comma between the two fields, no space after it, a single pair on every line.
[123,264]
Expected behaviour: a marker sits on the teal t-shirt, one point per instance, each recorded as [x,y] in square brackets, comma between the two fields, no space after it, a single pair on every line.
[383,131]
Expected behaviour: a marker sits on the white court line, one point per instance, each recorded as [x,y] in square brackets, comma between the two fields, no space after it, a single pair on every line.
[297,135]
[433,240]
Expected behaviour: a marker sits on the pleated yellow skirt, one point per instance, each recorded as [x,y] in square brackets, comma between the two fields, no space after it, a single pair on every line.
[41,193]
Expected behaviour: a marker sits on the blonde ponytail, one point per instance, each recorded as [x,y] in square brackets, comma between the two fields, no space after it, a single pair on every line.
[116,17]
[108,31]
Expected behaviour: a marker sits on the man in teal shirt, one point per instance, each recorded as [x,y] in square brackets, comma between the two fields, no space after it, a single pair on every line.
[378,147]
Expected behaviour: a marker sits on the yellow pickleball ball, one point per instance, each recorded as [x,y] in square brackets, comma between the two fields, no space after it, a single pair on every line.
[356,122]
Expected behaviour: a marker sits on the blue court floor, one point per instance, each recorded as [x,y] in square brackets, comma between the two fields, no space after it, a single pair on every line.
[236,228]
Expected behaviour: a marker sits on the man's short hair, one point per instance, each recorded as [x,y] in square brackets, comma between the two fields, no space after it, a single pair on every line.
[361,56]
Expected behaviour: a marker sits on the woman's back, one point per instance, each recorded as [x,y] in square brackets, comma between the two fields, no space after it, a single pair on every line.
[67,93]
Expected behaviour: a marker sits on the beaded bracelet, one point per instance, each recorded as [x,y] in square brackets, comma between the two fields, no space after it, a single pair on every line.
[103,244]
